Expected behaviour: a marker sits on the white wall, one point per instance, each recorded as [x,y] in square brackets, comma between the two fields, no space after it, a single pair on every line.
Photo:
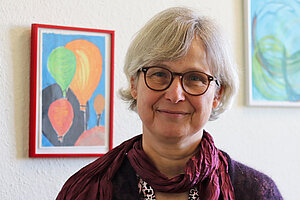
[264,138]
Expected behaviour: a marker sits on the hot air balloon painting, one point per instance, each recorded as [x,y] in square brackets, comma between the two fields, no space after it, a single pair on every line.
[71,91]
[274,52]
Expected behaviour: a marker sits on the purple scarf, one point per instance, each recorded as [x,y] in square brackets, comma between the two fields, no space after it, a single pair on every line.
[208,169]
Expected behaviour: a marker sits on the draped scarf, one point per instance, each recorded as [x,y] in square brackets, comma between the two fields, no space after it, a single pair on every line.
[207,169]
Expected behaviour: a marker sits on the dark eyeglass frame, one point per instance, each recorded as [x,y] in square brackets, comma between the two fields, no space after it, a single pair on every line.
[210,78]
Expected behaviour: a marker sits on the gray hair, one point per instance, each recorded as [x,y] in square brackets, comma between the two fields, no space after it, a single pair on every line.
[168,36]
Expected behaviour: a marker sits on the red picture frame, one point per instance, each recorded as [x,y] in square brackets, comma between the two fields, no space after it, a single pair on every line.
[71,91]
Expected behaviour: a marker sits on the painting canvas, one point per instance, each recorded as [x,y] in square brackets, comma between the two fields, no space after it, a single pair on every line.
[71,91]
[273,52]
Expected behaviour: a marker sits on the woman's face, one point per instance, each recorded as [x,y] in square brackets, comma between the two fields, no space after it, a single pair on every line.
[172,113]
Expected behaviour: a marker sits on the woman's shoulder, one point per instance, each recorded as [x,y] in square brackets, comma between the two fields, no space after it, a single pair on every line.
[249,183]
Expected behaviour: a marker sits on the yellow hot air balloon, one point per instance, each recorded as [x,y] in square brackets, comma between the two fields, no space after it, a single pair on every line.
[88,70]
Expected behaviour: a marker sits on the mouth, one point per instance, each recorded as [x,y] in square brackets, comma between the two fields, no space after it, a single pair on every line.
[172,112]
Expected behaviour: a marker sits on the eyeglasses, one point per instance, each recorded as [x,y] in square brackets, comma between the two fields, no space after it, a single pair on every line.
[193,82]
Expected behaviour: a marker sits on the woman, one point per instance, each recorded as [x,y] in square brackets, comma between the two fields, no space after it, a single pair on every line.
[180,76]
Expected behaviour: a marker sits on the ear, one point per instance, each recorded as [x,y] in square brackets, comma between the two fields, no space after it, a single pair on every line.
[218,96]
[133,87]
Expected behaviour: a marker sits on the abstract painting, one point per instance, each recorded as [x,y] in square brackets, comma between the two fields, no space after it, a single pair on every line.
[273,52]
[71,91]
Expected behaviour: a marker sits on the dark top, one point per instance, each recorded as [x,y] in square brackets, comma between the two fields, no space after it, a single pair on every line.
[248,183]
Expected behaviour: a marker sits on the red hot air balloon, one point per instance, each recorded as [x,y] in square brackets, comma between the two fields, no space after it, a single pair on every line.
[92,137]
[61,117]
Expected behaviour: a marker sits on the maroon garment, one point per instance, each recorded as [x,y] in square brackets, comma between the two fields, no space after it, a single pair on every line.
[248,183]
[93,182]
[208,169]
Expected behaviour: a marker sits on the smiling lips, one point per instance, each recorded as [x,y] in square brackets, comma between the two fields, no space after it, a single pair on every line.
[172,112]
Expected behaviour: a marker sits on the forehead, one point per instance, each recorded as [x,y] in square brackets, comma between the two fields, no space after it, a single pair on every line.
[194,60]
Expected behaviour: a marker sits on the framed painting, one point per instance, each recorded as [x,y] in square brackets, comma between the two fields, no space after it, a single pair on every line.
[71,91]
[273,52]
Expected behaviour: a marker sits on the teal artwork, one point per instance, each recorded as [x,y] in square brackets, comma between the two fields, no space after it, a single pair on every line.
[274,52]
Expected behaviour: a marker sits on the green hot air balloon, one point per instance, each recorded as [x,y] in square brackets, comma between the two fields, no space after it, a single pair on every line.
[62,66]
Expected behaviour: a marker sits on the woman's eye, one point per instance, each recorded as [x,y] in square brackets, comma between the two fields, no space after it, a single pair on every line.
[196,79]
[160,74]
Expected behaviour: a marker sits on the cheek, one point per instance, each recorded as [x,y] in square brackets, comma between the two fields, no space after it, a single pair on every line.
[203,106]
[145,102]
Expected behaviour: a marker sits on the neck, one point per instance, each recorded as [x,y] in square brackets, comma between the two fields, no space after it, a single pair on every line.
[170,156]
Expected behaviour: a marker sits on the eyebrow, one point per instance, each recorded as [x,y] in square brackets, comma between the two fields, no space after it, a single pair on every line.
[189,69]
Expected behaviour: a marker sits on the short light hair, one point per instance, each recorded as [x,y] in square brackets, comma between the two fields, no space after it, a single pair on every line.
[168,36]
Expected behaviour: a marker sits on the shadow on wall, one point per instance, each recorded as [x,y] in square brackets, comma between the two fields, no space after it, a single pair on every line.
[20,71]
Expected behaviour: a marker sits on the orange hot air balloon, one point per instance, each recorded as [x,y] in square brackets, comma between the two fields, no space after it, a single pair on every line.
[88,69]
[99,104]
[92,137]
[61,117]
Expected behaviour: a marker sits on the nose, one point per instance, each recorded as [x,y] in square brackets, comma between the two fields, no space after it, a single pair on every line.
[175,92]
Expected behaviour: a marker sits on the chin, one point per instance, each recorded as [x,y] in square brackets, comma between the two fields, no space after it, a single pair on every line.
[173,135]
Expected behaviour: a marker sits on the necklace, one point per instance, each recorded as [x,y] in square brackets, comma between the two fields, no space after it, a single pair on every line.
[146,192]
